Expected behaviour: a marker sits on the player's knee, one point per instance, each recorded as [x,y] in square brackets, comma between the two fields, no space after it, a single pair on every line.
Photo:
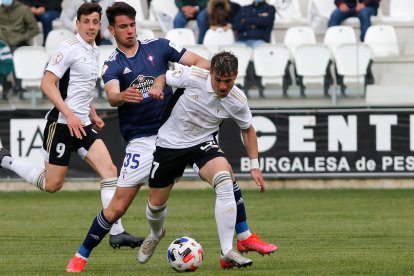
[223,185]
[112,170]
[53,187]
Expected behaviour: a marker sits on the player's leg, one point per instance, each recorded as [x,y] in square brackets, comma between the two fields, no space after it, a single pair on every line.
[166,167]
[102,224]
[56,152]
[246,241]
[98,157]
[215,171]
[156,212]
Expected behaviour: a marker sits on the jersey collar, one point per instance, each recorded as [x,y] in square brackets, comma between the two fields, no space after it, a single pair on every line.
[136,51]
[85,44]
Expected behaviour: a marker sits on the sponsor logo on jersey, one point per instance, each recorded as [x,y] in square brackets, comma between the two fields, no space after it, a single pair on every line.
[143,84]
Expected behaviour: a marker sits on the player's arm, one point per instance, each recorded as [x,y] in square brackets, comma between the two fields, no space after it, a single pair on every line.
[49,88]
[97,121]
[190,58]
[156,90]
[250,142]
[117,97]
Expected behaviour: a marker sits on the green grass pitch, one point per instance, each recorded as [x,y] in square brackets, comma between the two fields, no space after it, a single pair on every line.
[319,232]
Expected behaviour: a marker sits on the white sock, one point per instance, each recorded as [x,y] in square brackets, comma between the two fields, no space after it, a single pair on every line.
[108,187]
[156,218]
[225,210]
[33,174]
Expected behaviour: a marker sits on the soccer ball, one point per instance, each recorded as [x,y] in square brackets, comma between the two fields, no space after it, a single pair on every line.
[185,255]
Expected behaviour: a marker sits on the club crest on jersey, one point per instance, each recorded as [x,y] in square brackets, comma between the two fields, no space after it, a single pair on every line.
[151,59]
[143,84]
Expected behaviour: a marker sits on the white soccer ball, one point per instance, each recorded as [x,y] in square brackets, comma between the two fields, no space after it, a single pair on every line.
[185,255]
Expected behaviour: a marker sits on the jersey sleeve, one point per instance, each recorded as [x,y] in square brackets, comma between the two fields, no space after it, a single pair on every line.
[110,71]
[61,60]
[173,51]
[179,77]
[239,108]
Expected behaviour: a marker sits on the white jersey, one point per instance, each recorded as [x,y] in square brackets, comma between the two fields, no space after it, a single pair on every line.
[199,112]
[75,62]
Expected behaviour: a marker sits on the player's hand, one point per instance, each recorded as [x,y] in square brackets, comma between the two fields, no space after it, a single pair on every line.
[132,95]
[75,126]
[98,123]
[258,178]
[156,92]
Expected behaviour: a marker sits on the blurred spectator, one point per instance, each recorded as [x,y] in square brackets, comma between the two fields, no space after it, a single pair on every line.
[363,9]
[69,14]
[253,24]
[6,67]
[45,11]
[220,13]
[192,10]
[17,27]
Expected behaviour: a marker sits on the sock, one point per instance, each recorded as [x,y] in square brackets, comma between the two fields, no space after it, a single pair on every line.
[108,187]
[242,228]
[156,217]
[99,228]
[225,210]
[31,173]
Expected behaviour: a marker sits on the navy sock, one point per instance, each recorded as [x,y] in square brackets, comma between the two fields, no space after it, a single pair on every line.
[241,220]
[99,228]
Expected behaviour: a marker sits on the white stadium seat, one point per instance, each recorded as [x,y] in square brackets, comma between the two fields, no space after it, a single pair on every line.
[270,63]
[311,63]
[24,59]
[383,41]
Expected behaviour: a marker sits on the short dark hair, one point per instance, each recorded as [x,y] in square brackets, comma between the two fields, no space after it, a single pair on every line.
[87,9]
[119,8]
[224,63]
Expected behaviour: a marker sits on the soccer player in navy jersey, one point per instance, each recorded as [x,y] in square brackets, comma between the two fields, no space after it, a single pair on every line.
[128,75]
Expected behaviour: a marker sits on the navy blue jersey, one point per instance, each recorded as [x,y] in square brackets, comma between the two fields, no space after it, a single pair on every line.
[150,61]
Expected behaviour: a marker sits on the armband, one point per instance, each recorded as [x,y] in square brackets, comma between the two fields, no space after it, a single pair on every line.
[254,164]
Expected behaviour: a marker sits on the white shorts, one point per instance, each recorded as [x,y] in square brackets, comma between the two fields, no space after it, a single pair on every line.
[137,162]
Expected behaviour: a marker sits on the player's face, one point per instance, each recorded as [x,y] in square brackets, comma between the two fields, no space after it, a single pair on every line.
[88,26]
[124,31]
[222,84]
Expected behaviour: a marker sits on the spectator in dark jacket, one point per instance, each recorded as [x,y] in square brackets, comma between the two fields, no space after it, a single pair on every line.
[45,11]
[363,9]
[192,10]
[253,23]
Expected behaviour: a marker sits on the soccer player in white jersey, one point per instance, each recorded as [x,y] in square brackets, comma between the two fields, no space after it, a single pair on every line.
[71,122]
[187,138]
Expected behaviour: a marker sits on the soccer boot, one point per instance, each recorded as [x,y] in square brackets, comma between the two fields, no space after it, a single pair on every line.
[3,152]
[234,259]
[148,247]
[254,243]
[125,239]
[76,265]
